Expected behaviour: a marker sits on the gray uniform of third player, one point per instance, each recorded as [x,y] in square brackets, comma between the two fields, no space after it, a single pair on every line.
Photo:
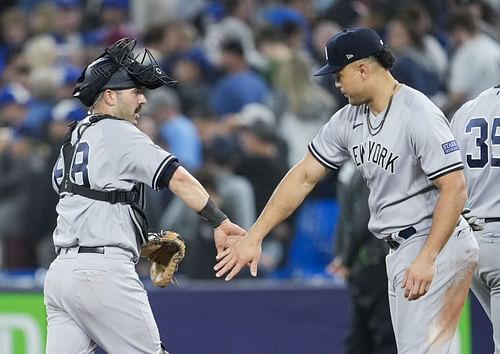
[105,291]
[399,163]
[476,126]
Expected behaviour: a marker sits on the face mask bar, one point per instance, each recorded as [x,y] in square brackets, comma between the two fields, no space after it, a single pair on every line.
[144,68]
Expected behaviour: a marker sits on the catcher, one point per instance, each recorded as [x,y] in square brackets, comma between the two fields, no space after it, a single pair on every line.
[93,295]
[165,250]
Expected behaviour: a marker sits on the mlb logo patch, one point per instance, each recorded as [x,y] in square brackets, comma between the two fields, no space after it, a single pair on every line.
[450,146]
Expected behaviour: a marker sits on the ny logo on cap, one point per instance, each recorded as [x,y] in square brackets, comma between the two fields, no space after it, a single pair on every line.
[326,53]
[349,56]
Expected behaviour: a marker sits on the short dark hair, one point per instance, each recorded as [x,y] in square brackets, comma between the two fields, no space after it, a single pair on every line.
[384,57]
[462,19]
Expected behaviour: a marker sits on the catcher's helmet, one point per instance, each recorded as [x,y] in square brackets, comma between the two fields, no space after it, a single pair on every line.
[117,69]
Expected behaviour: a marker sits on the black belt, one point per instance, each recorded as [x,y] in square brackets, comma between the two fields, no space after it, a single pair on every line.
[487,220]
[405,234]
[99,250]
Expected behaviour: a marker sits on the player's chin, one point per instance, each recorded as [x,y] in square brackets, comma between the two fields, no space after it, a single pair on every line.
[135,118]
[354,101]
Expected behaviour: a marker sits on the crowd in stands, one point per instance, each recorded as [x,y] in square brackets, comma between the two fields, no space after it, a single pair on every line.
[243,110]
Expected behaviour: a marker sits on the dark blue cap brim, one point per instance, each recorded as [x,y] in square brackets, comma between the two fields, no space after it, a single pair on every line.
[327,69]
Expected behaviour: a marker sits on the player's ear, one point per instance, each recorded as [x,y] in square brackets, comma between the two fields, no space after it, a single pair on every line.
[109,96]
[363,69]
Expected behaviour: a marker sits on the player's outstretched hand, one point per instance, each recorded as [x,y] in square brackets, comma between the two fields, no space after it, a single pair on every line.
[224,233]
[418,278]
[237,255]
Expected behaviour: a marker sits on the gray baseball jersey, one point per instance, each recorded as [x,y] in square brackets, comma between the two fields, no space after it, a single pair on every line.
[414,146]
[112,154]
[476,126]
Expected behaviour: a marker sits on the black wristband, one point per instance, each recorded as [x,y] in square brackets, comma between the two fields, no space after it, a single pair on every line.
[212,214]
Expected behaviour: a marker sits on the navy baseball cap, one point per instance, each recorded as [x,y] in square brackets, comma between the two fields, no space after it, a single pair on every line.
[348,46]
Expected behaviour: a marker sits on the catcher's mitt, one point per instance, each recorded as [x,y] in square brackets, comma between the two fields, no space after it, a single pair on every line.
[165,250]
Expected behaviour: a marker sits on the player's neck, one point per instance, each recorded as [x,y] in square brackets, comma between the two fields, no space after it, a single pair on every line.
[384,94]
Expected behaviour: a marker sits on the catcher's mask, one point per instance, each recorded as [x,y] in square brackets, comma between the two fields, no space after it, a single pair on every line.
[117,68]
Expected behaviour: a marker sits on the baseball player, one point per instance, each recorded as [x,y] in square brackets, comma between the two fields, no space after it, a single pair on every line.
[93,295]
[404,148]
[476,126]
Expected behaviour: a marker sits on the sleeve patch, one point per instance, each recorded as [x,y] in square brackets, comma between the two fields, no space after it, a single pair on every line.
[450,146]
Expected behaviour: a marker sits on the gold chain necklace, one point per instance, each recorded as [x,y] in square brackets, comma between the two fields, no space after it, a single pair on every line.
[375,130]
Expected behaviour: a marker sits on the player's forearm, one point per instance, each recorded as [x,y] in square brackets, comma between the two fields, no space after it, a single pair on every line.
[449,206]
[188,189]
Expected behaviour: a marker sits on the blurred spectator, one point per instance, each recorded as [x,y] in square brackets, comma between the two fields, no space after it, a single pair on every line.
[193,72]
[308,105]
[264,160]
[427,44]
[306,9]
[235,191]
[360,259]
[412,66]
[236,24]
[20,168]
[14,99]
[290,22]
[272,44]
[264,163]
[323,31]
[486,15]
[41,51]
[66,30]
[16,70]
[14,32]
[475,61]
[239,85]
[146,13]
[44,85]
[173,44]
[176,131]
[171,41]
[114,24]
[62,114]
